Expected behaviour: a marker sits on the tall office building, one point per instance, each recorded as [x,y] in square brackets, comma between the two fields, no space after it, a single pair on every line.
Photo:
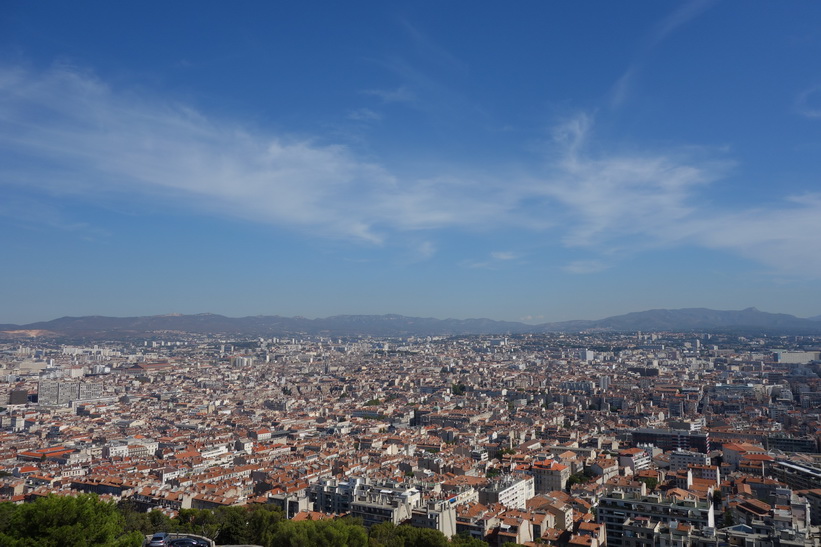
[55,392]
[47,392]
[672,439]
[618,510]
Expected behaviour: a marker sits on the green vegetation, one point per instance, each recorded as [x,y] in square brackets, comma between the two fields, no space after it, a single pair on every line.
[226,525]
[375,416]
[84,520]
[576,478]
[581,477]
[387,534]
[727,519]
[373,402]
[464,540]
[458,389]
[650,482]
[333,533]
[65,521]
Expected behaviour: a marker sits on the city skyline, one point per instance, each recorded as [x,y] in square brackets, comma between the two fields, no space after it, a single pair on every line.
[544,163]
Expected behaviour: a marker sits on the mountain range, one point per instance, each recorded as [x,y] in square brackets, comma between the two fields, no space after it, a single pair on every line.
[749,320]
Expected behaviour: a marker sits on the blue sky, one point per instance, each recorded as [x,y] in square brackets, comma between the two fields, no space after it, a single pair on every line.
[538,161]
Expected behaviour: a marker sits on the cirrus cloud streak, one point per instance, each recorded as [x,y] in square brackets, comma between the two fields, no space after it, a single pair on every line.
[65,132]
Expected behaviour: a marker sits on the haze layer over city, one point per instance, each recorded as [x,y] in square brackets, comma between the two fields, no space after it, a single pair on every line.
[543,162]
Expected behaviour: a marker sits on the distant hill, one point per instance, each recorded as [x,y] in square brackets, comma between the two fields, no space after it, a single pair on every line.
[687,319]
[267,325]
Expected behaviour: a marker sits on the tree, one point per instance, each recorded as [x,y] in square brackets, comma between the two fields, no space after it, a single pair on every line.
[325,533]
[160,521]
[384,534]
[144,523]
[577,478]
[465,540]
[201,522]
[427,537]
[728,518]
[387,534]
[650,482]
[7,511]
[263,523]
[132,519]
[233,525]
[66,522]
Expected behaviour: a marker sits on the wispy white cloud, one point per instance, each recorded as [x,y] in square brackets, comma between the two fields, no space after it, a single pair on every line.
[364,115]
[571,134]
[808,103]
[431,50]
[399,95]
[683,14]
[496,260]
[67,133]
[427,86]
[586,266]
[623,204]
[504,255]
[783,236]
[425,250]
[623,86]
[607,198]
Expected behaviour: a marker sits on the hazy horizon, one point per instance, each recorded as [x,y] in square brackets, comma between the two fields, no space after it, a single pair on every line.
[447,317]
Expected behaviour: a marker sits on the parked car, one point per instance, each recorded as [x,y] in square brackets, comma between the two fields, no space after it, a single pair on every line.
[160,539]
[188,542]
